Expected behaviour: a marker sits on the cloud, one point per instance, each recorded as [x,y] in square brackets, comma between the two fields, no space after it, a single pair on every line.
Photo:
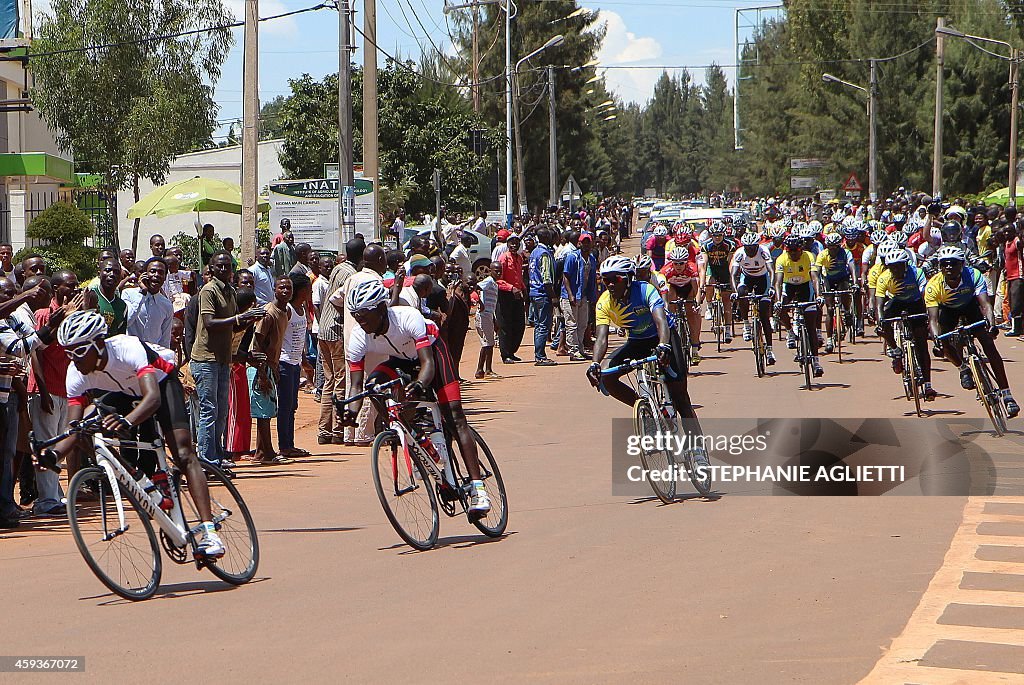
[285,27]
[622,46]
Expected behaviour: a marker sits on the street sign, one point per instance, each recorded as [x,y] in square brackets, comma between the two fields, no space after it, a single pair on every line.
[571,187]
[803,182]
[852,185]
[806,163]
[827,195]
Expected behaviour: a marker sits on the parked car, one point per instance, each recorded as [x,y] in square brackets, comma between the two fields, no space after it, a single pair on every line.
[479,251]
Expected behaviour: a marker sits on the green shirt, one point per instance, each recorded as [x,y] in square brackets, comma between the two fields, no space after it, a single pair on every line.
[114,311]
[218,300]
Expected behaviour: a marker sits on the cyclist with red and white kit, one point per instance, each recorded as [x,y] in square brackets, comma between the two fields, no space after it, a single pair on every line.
[750,273]
[682,276]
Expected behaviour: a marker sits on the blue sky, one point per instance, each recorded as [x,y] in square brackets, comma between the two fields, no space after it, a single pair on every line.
[643,32]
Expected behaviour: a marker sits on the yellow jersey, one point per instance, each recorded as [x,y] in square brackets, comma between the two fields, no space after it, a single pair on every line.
[795,272]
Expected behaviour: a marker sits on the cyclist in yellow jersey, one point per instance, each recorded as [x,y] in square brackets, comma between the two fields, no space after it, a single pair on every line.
[796,280]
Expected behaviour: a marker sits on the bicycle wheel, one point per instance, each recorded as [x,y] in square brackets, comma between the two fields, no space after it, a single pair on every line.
[684,340]
[986,394]
[127,560]
[805,354]
[405,491]
[494,524]
[646,422]
[839,333]
[910,373]
[718,323]
[701,479]
[234,525]
[758,347]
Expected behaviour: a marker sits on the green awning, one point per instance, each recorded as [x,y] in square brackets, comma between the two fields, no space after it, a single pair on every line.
[37,164]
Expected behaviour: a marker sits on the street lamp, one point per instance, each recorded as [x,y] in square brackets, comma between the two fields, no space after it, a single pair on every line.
[1014,60]
[576,13]
[552,42]
[872,92]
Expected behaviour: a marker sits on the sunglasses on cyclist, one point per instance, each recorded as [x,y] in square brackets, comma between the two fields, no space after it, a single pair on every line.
[80,352]
[949,263]
[612,280]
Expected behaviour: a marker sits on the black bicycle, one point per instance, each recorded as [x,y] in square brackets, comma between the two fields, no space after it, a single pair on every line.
[804,350]
[913,376]
[984,380]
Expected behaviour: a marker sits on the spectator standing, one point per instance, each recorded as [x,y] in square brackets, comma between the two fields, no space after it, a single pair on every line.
[264,375]
[263,277]
[218,318]
[104,296]
[511,302]
[284,254]
[208,244]
[6,260]
[485,321]
[148,311]
[292,348]
[579,292]
[460,255]
[303,253]
[1013,250]
[238,432]
[398,226]
[542,291]
[157,245]
[331,345]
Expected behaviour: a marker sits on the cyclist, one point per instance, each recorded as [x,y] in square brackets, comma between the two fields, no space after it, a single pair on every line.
[635,306]
[750,273]
[838,271]
[900,289]
[952,235]
[413,348]
[125,365]
[959,294]
[683,276]
[714,270]
[809,232]
[656,245]
[778,235]
[796,279]
[645,271]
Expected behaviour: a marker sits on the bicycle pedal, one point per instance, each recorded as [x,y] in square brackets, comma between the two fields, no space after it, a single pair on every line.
[476,516]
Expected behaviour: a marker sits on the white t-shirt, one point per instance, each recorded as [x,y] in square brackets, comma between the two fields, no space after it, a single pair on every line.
[319,299]
[460,255]
[294,338]
[126,363]
[758,265]
[407,332]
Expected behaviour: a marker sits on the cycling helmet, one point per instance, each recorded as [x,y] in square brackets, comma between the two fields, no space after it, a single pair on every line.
[850,221]
[837,217]
[81,327]
[899,219]
[951,252]
[684,236]
[952,232]
[679,255]
[878,236]
[716,229]
[805,231]
[896,255]
[816,225]
[740,224]
[644,261]
[778,231]
[955,211]
[833,239]
[660,231]
[851,233]
[900,238]
[749,239]
[788,222]
[793,241]
[618,265]
[366,295]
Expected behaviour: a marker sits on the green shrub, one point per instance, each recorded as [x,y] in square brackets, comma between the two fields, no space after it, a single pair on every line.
[62,230]
[189,244]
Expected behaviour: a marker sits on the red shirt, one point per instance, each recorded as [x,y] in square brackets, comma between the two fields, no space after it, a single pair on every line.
[52,359]
[1012,260]
[511,272]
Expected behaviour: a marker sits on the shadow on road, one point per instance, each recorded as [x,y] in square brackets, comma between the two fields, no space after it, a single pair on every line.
[176,591]
[337,529]
[455,542]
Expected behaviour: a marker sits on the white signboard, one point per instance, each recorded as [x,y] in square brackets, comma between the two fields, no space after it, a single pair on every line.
[803,182]
[806,163]
[312,208]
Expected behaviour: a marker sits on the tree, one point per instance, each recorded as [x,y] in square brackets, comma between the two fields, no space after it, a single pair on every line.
[270,118]
[62,229]
[122,101]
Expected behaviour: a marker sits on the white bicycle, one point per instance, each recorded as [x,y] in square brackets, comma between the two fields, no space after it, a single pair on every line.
[111,506]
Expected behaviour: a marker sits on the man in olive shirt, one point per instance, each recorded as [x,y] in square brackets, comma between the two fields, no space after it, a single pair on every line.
[212,353]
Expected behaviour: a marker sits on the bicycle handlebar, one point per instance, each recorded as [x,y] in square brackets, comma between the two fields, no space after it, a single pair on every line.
[370,390]
[629,366]
[798,305]
[962,329]
[903,316]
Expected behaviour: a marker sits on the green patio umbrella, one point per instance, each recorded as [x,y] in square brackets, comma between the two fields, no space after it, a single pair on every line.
[1002,196]
[191,195]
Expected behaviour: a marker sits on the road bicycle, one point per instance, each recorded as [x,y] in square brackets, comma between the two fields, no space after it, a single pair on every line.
[804,350]
[842,319]
[717,308]
[415,474]
[654,415]
[913,377]
[681,323]
[985,385]
[757,339]
[112,506]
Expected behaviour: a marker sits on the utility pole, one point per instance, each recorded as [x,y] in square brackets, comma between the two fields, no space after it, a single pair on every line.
[873,132]
[250,129]
[476,59]
[940,52]
[553,142]
[371,151]
[346,182]
[1014,110]
[508,114]
[520,173]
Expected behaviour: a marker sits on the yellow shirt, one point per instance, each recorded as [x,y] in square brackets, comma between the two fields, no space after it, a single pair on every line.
[873,273]
[984,235]
[795,272]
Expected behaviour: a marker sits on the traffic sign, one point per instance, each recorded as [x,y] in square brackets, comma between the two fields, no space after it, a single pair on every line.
[571,187]
[806,163]
[803,182]
[852,185]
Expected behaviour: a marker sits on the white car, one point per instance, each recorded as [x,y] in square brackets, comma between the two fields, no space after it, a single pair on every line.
[479,251]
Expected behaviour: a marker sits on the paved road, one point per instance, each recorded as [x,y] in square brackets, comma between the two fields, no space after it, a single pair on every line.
[587,587]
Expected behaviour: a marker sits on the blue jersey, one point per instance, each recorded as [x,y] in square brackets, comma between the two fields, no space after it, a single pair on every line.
[636,315]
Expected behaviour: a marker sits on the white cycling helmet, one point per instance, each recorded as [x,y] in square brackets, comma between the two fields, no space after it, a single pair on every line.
[778,230]
[951,252]
[806,231]
[833,239]
[816,225]
[749,239]
[896,255]
[644,261]
[81,327]
[366,295]
[679,255]
[956,211]
[619,265]
[879,236]
[660,231]
[837,217]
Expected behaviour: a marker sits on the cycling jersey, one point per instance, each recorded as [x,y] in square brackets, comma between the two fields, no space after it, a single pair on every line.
[938,293]
[680,274]
[835,269]
[407,332]
[717,256]
[757,265]
[127,362]
[794,272]
[907,289]
[857,250]
[635,315]
[873,273]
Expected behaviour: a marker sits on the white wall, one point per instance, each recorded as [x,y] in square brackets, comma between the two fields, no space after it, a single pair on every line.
[224,164]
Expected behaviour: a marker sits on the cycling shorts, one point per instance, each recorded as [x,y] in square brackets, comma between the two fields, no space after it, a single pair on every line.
[634,349]
[720,276]
[951,317]
[840,283]
[796,292]
[446,380]
[893,308]
[757,285]
[681,292]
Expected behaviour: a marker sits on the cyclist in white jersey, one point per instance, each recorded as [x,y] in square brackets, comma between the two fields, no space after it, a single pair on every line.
[750,272]
[138,371]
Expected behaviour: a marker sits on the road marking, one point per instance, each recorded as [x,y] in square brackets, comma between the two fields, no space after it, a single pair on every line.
[957,634]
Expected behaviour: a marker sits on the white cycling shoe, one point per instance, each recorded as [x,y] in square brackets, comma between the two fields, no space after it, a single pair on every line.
[211,546]
[480,503]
